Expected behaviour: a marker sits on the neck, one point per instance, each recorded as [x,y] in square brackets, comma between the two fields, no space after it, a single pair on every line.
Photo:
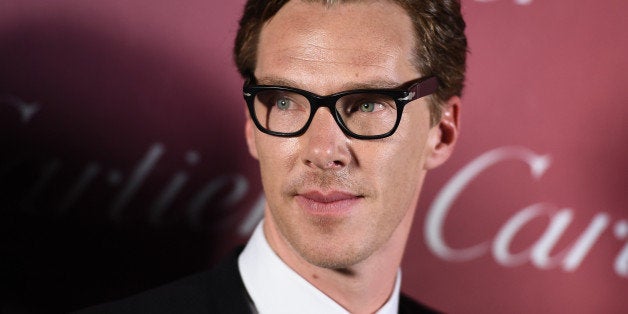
[361,288]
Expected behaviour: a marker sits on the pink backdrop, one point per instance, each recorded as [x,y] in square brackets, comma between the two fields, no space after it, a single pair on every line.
[123,164]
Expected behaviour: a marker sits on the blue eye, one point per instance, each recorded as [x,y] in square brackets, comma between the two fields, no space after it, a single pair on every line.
[367,107]
[283,103]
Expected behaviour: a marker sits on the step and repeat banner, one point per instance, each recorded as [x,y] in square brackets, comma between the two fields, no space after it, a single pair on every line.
[123,163]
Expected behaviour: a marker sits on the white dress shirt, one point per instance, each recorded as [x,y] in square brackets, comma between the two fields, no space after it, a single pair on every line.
[275,288]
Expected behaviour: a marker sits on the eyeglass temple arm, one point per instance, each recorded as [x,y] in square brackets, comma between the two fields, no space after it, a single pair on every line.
[422,88]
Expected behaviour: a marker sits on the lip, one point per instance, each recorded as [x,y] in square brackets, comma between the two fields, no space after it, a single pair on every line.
[333,203]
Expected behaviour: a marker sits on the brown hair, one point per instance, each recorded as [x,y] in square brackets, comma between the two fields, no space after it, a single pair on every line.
[438,24]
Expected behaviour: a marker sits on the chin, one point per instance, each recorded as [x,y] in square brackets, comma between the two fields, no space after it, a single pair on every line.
[334,256]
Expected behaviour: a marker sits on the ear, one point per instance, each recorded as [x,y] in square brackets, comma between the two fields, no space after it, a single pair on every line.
[443,136]
[249,132]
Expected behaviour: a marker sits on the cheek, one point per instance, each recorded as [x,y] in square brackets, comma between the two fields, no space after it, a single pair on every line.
[270,148]
[413,135]
[391,166]
[401,164]
[276,156]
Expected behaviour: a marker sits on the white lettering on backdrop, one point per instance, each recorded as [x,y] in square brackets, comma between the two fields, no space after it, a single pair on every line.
[237,188]
[25,109]
[539,253]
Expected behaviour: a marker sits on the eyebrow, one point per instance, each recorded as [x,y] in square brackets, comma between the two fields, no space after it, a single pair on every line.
[372,84]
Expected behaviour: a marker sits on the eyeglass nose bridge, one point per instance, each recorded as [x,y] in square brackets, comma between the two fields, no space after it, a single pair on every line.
[329,102]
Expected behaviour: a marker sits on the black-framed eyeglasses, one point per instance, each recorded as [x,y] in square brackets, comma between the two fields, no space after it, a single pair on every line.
[362,113]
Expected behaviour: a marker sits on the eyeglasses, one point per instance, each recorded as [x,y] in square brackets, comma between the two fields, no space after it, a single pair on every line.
[361,114]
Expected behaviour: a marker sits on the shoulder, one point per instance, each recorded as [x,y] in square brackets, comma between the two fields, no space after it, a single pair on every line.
[409,306]
[219,290]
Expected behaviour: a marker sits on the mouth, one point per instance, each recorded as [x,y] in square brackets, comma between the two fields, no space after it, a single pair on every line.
[333,203]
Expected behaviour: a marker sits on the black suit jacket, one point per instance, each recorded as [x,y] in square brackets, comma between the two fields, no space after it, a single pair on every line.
[220,290]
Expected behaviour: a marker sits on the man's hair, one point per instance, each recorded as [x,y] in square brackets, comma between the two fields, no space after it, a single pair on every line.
[439,29]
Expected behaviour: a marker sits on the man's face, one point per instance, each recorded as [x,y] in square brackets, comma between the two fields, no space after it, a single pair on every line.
[332,199]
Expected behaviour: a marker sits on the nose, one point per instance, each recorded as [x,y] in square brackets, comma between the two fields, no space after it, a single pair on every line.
[326,147]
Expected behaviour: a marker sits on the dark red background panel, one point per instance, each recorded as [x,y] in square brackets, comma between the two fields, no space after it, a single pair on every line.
[123,163]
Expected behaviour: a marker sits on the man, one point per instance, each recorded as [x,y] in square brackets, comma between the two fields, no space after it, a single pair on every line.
[341,173]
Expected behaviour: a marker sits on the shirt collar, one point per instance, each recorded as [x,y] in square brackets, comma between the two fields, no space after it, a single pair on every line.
[275,288]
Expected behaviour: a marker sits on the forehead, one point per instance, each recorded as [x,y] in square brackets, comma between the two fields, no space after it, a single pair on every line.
[349,42]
